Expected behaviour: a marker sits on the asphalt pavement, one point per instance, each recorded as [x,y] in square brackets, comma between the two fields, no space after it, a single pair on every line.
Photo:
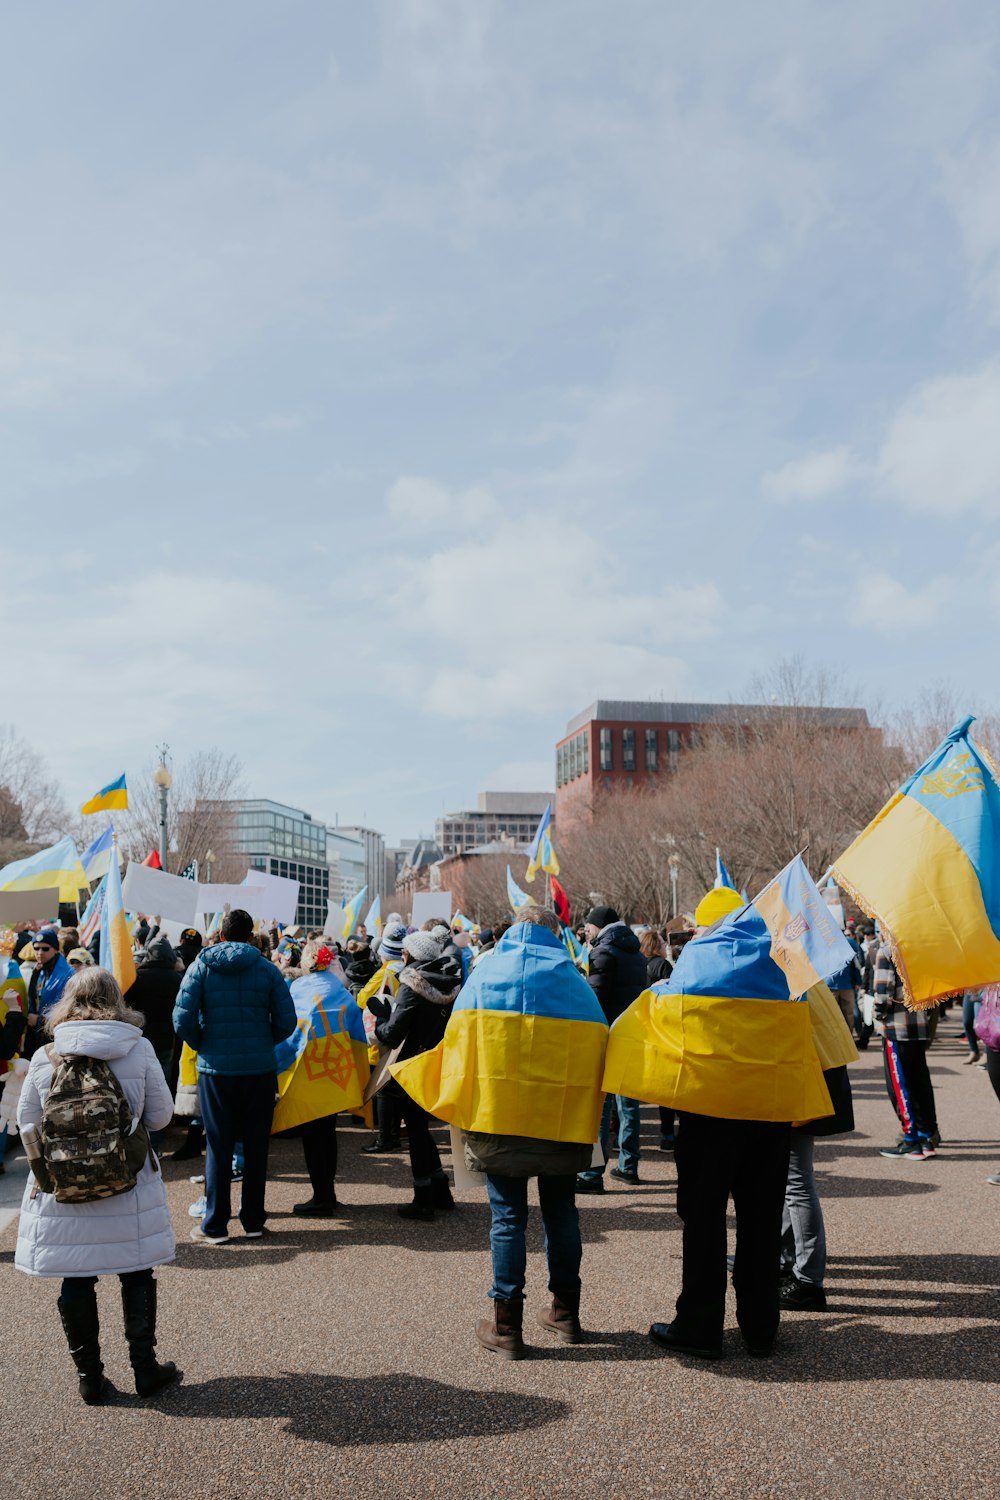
[339,1358]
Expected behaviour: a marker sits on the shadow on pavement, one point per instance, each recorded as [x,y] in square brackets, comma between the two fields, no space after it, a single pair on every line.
[348,1412]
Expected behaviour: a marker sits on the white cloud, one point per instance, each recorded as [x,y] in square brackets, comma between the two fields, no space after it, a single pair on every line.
[415,502]
[532,615]
[887,605]
[812,477]
[971,180]
[941,453]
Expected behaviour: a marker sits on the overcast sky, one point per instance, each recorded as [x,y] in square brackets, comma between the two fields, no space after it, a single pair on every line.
[381,383]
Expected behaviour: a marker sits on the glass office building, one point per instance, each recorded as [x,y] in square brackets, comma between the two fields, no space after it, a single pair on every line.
[284,841]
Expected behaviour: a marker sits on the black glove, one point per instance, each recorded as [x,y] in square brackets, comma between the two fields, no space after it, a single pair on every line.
[380,1008]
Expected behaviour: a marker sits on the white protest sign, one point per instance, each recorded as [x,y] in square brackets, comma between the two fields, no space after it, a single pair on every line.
[237,897]
[156,893]
[427,904]
[282,896]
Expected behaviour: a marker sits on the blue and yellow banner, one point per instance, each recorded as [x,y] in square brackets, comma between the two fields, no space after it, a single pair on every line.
[116,943]
[515,895]
[541,855]
[523,1051]
[57,867]
[323,1066]
[352,913]
[927,869]
[806,942]
[721,1036]
[109,798]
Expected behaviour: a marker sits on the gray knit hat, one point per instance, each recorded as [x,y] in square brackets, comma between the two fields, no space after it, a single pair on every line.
[422,947]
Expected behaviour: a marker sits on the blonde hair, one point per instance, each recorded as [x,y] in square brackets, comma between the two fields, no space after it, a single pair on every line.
[541,916]
[92,995]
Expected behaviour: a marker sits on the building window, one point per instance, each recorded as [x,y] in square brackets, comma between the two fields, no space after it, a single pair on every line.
[585,743]
[673,746]
[628,749]
[606,755]
[650,749]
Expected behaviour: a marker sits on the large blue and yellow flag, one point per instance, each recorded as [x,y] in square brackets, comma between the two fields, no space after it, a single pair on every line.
[721,1036]
[116,944]
[323,1066]
[928,870]
[541,855]
[351,913]
[523,1050]
[806,942]
[48,869]
[110,797]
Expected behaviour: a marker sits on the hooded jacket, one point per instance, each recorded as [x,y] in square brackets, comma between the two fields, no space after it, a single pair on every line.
[617,969]
[110,1235]
[423,1004]
[233,1008]
[157,980]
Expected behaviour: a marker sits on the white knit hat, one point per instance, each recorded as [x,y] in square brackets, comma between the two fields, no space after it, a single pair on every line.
[422,946]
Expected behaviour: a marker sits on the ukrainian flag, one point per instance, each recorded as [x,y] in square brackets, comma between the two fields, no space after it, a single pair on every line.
[721,1037]
[110,797]
[541,855]
[928,870]
[323,1066]
[515,895]
[523,1051]
[806,942]
[352,911]
[50,868]
[116,945]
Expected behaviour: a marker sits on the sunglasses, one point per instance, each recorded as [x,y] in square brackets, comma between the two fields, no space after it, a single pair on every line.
[44,948]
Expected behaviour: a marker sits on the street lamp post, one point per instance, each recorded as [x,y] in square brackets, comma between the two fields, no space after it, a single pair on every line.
[209,862]
[674,863]
[163,780]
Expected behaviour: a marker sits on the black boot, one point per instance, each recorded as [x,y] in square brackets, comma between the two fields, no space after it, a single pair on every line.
[192,1147]
[422,1206]
[139,1307]
[441,1193]
[82,1330]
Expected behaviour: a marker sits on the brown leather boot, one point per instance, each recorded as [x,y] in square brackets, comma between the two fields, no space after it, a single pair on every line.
[563,1317]
[501,1333]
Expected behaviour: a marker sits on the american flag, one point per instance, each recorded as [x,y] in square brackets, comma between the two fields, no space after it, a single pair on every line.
[91,919]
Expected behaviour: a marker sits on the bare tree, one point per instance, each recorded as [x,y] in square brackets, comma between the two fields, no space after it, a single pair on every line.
[200,814]
[32,807]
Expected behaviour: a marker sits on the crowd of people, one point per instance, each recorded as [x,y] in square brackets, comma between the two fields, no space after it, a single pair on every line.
[195,1039]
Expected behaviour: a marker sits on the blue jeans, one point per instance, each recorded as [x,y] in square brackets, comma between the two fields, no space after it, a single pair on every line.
[563,1247]
[970,1010]
[803,1233]
[236,1108]
[628,1136]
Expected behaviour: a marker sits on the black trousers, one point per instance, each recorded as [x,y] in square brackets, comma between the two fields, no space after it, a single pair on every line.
[81,1288]
[425,1161]
[909,1085]
[746,1160]
[319,1145]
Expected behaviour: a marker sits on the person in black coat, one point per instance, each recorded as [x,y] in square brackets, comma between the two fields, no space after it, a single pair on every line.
[428,984]
[617,976]
[361,965]
[157,979]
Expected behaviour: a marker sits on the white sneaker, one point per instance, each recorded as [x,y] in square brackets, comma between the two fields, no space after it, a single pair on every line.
[209,1239]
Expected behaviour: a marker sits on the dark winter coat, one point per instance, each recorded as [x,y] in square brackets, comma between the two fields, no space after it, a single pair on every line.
[422,1006]
[154,993]
[360,969]
[233,1008]
[657,969]
[617,969]
[523,1156]
[841,1122]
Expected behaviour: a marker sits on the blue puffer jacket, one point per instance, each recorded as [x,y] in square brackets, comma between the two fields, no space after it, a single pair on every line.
[233,1008]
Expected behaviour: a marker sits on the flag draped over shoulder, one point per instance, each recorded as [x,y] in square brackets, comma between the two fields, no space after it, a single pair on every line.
[721,1037]
[323,1066]
[110,797]
[927,868]
[116,945]
[58,866]
[523,1050]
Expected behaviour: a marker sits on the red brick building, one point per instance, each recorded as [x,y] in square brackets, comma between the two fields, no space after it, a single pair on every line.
[614,744]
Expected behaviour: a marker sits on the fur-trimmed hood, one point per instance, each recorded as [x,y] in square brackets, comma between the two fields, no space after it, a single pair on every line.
[438,980]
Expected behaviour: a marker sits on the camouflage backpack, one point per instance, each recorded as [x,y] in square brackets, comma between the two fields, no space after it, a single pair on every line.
[85,1125]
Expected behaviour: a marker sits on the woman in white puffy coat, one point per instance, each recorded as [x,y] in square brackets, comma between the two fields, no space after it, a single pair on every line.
[126,1235]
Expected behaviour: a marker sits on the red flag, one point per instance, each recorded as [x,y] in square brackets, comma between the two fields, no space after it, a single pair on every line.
[153,860]
[560,901]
